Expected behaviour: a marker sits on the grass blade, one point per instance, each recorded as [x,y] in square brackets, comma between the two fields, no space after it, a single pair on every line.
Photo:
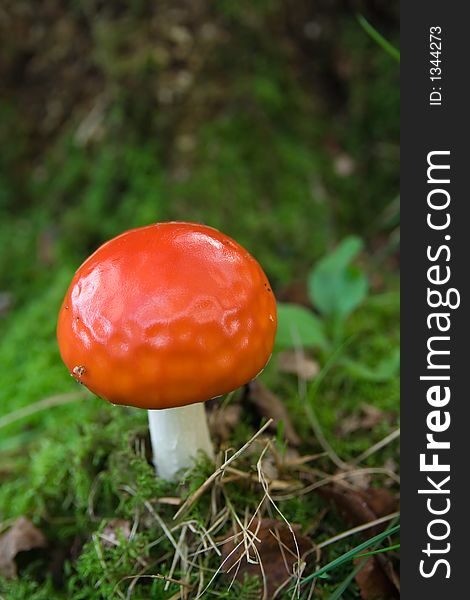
[343,586]
[380,550]
[351,553]
[379,38]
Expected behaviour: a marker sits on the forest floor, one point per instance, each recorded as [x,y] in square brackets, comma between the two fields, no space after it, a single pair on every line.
[280,128]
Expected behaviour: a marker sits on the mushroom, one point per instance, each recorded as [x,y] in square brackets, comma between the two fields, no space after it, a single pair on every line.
[165,317]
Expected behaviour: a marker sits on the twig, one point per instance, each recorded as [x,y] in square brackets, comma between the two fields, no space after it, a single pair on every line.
[198,493]
[176,557]
[36,407]
[358,529]
[321,439]
[337,478]
[378,446]
[265,486]
[157,576]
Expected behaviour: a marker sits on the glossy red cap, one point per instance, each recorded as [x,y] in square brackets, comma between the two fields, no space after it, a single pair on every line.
[167,315]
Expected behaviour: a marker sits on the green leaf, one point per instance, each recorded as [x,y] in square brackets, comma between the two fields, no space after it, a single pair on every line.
[383,371]
[335,286]
[298,326]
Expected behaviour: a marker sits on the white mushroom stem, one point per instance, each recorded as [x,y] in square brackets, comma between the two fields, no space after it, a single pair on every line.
[177,436]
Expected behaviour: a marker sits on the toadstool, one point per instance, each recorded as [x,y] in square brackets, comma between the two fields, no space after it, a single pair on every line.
[165,317]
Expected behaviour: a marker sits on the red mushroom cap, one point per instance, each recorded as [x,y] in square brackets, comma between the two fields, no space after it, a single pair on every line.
[167,315]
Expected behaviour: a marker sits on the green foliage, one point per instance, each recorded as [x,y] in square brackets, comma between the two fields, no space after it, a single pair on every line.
[25,588]
[250,588]
[386,368]
[303,510]
[31,365]
[336,286]
[298,326]
[360,365]
[102,568]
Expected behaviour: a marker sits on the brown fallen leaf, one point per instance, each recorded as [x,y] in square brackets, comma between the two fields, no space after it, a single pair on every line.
[115,531]
[46,246]
[360,479]
[344,164]
[6,302]
[373,582]
[222,421]
[350,503]
[275,554]
[381,501]
[21,536]
[298,363]
[368,418]
[270,406]
[361,506]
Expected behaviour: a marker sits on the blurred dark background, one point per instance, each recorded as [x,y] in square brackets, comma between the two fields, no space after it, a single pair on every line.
[274,120]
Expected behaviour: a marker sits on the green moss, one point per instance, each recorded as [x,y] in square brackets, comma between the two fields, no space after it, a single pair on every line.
[28,588]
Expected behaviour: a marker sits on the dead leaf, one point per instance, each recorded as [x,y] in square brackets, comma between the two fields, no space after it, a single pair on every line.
[275,553]
[270,406]
[115,530]
[344,165]
[377,579]
[373,582]
[46,247]
[350,503]
[269,467]
[368,418]
[6,302]
[381,501]
[361,506]
[222,421]
[360,479]
[21,536]
[298,363]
